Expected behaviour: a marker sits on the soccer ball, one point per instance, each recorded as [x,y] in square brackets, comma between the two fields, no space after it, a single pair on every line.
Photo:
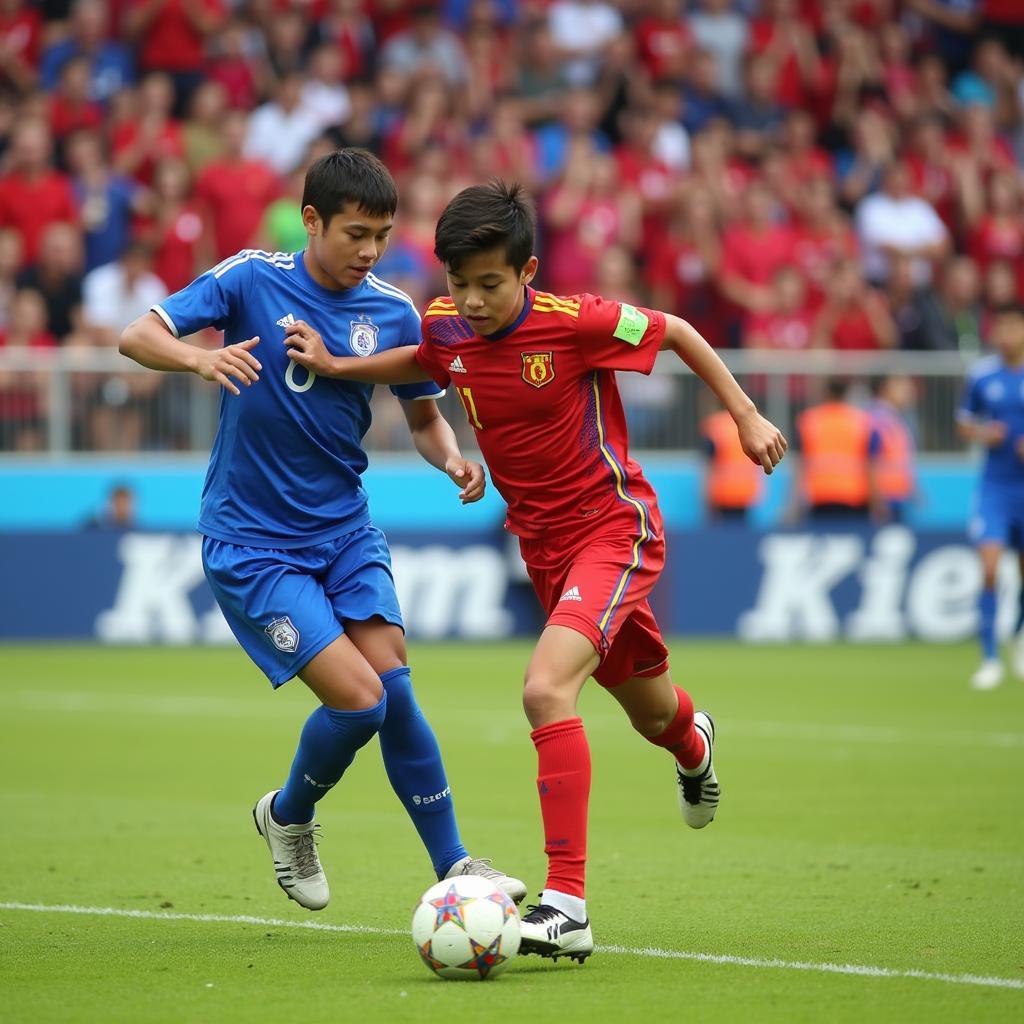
[466,927]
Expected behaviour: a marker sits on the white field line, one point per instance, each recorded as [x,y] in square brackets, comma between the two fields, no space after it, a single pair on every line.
[860,970]
[84,702]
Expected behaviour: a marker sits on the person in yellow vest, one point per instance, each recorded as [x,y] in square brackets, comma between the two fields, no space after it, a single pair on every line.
[838,447]
[732,485]
[895,471]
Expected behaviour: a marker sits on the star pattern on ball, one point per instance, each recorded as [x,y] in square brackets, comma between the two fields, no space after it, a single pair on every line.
[484,958]
[507,906]
[449,907]
[427,952]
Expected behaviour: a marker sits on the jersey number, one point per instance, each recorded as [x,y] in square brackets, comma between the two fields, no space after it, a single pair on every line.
[289,378]
[466,397]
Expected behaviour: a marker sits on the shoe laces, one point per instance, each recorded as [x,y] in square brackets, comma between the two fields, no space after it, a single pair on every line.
[540,913]
[304,858]
[481,866]
[692,787]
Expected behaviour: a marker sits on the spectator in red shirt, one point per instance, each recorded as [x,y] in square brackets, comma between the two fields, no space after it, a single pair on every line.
[19,45]
[71,107]
[641,170]
[663,41]
[234,66]
[32,194]
[682,265]
[786,321]
[854,317]
[585,212]
[998,232]
[234,191]
[783,38]
[754,249]
[170,35]
[138,142]
[174,226]
[822,236]
[23,394]
[933,167]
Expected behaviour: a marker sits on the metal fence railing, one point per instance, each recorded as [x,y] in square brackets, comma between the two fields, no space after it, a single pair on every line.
[89,400]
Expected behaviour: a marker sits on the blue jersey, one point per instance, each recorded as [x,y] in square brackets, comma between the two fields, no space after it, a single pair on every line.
[286,463]
[995,391]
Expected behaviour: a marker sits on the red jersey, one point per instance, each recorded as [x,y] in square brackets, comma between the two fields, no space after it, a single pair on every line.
[542,399]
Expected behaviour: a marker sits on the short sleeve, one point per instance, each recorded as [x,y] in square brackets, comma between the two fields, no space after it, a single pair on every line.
[428,357]
[972,401]
[617,336]
[210,300]
[411,328]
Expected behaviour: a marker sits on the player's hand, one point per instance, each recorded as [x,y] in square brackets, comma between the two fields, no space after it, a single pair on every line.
[306,347]
[992,433]
[762,441]
[469,476]
[237,361]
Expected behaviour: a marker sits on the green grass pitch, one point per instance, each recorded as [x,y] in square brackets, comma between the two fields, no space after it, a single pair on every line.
[872,815]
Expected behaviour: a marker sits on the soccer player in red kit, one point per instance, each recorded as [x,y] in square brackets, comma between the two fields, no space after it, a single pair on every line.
[536,375]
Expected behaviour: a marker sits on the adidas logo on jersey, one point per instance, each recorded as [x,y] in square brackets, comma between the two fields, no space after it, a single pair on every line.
[455,366]
[572,594]
[286,320]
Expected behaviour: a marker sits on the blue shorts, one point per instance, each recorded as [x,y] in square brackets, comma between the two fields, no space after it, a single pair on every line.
[998,517]
[284,607]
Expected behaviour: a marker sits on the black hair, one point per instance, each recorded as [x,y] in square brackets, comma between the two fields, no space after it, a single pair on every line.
[837,387]
[349,176]
[484,217]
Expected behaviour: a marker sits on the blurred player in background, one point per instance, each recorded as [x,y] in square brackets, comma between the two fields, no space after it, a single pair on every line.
[301,574]
[536,375]
[992,415]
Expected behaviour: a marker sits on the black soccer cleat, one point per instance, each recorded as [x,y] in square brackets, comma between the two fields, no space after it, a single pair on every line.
[548,932]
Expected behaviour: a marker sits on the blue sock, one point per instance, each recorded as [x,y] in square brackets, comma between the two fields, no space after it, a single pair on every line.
[412,760]
[987,608]
[327,746]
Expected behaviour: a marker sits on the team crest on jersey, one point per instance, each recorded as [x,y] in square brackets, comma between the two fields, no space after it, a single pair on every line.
[283,634]
[362,336]
[538,368]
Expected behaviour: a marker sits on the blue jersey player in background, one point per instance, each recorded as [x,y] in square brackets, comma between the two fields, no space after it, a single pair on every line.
[299,571]
[992,414]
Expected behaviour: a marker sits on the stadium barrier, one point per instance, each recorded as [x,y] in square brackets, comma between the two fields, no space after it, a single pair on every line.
[857,585]
[81,399]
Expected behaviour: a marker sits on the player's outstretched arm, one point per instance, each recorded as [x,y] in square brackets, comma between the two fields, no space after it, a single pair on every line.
[435,441]
[762,441]
[395,366]
[148,341]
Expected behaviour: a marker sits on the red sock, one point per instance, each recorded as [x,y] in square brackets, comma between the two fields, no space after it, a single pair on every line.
[563,781]
[681,739]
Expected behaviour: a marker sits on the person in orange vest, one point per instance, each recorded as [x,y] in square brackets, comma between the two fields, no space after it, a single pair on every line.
[894,468]
[732,485]
[838,447]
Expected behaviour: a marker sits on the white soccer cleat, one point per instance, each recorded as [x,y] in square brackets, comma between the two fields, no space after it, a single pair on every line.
[296,864]
[513,888]
[551,933]
[699,794]
[988,676]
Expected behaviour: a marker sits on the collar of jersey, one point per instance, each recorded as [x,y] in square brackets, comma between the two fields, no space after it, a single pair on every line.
[523,314]
[334,294]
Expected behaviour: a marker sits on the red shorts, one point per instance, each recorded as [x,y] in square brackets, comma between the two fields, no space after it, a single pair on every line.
[598,585]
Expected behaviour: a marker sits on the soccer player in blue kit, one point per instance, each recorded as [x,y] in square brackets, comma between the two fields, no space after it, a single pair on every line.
[299,571]
[992,414]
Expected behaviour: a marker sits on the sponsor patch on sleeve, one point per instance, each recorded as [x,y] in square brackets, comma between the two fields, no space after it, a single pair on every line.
[631,326]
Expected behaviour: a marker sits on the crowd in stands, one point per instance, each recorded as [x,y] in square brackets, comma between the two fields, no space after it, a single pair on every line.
[785,174]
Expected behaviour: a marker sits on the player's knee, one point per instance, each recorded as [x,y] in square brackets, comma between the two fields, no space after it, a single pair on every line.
[397,685]
[650,723]
[544,700]
[354,695]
